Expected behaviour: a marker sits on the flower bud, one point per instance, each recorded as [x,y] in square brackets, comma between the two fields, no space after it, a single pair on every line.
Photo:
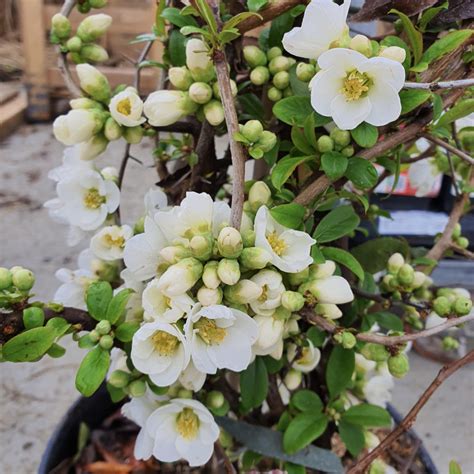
[84,7]
[334,290]
[208,296]
[395,53]
[174,253]
[361,44]
[93,147]
[97,3]
[449,343]
[267,141]
[133,135]
[110,173]
[74,44]
[259,76]
[198,61]
[233,89]
[375,352]
[327,310]
[274,94]
[292,301]
[106,342]
[243,292]
[184,393]
[103,327]
[181,277]
[281,80]
[274,53]
[214,112]
[85,103]
[23,279]
[180,77]
[209,275]
[462,306]
[248,237]
[112,130]
[398,365]
[255,258]
[252,130]
[229,242]
[279,64]
[305,72]
[254,56]
[228,271]
[325,144]
[5,278]
[322,270]
[342,138]
[201,246]
[79,125]
[119,379]
[395,262]
[390,281]
[215,399]
[165,107]
[457,231]
[463,242]
[406,275]
[60,26]
[346,339]
[94,336]
[93,82]
[200,92]
[293,379]
[259,195]
[348,151]
[296,279]
[418,280]
[137,388]
[93,27]
[94,53]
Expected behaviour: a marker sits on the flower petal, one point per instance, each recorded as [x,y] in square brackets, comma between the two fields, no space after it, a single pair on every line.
[347,115]
[385,102]
[325,86]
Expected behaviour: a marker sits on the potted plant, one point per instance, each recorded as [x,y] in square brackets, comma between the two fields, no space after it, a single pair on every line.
[237,320]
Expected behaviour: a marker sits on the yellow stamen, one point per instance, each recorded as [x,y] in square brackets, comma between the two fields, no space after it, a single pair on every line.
[263,296]
[305,357]
[278,245]
[187,424]
[356,85]
[93,199]
[124,107]
[209,332]
[114,242]
[165,343]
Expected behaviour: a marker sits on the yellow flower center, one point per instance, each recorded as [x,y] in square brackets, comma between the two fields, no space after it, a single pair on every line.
[356,85]
[187,424]
[263,296]
[93,199]
[278,245]
[124,107]
[114,242]
[305,357]
[165,343]
[209,332]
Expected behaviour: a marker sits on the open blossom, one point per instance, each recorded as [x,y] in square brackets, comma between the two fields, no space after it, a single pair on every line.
[353,89]
[192,378]
[220,338]
[308,358]
[377,390]
[160,350]
[424,176]
[271,284]
[324,23]
[126,108]
[270,335]
[290,249]
[330,289]
[109,242]
[182,429]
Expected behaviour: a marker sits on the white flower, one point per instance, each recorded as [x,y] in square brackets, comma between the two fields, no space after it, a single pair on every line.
[220,338]
[183,429]
[424,176]
[307,360]
[333,290]
[271,283]
[353,89]
[134,309]
[192,378]
[154,199]
[165,107]
[290,249]
[270,334]
[160,350]
[87,199]
[363,364]
[180,277]
[93,147]
[324,22]
[109,242]
[71,164]
[126,108]
[164,308]
[377,390]
[79,125]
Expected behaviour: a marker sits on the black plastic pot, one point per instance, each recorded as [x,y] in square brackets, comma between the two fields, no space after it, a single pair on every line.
[93,410]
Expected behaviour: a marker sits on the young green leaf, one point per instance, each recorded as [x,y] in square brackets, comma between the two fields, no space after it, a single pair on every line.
[307,401]
[334,165]
[293,110]
[291,468]
[92,371]
[177,48]
[173,15]
[316,336]
[256,5]
[299,140]
[290,215]
[362,173]
[413,98]
[118,305]
[98,296]
[339,222]
[386,320]
[207,15]
[414,36]
[339,370]
[56,351]
[454,467]
[58,325]
[429,14]
[126,330]
[463,108]
[344,258]
[285,168]
[365,135]
[352,436]
[29,345]
[254,384]
[445,45]
[367,415]
[303,430]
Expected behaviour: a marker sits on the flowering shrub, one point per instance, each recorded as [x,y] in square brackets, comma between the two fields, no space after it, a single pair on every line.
[233,301]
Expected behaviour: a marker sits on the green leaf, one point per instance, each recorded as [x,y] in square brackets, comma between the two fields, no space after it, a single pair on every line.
[344,258]
[58,325]
[226,36]
[362,173]
[33,317]
[365,135]
[373,254]
[386,320]
[98,296]
[339,370]
[303,430]
[92,371]
[413,98]
[240,17]
[414,36]
[368,415]
[437,106]
[256,5]
[116,394]
[126,330]
[310,132]
[307,401]
[254,384]
[273,365]
[316,336]
[317,255]
[56,351]
[352,436]
[252,106]
[279,26]
[29,345]
[339,222]
[207,15]
[460,110]
[191,30]
[177,48]
[285,168]
[445,45]
[173,15]
[454,467]
[293,110]
[299,140]
[429,14]
[118,305]
[298,87]
[334,165]
[291,468]
[289,215]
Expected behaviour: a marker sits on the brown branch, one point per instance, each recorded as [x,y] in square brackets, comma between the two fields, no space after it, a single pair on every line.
[464,252]
[447,146]
[410,419]
[434,86]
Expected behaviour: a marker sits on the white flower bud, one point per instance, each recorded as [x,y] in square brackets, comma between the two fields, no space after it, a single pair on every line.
[293,379]
[78,126]
[305,72]
[180,277]
[74,44]
[328,310]
[279,64]
[198,60]
[174,253]
[93,147]
[209,296]
[361,44]
[228,271]
[112,130]
[200,92]
[180,77]
[259,195]
[243,292]
[255,258]
[84,103]
[133,135]
[110,173]
[93,27]
[322,270]
[333,289]
[202,246]
[94,53]
[214,112]
[209,276]
[252,130]
[418,280]
[93,82]
[395,53]
[229,242]
[166,107]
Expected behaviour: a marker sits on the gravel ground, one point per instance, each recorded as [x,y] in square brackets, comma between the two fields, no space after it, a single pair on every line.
[35,396]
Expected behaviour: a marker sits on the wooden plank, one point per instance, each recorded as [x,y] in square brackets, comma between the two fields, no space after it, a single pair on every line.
[12,113]
[34,47]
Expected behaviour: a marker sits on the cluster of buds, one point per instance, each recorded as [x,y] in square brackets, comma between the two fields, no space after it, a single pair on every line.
[102,335]
[397,361]
[132,383]
[255,138]
[337,140]
[365,46]
[15,285]
[84,6]
[452,302]
[82,46]
[458,238]
[401,277]
[270,67]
